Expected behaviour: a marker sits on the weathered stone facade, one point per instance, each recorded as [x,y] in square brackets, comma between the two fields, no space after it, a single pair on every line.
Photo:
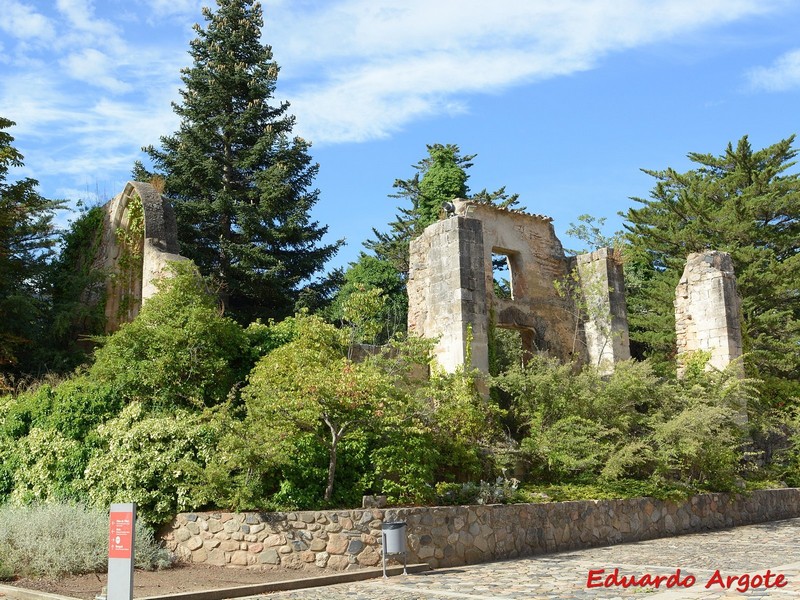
[446,536]
[605,316]
[451,289]
[708,310]
[139,239]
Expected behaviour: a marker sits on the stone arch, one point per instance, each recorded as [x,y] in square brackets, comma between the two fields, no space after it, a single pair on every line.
[139,239]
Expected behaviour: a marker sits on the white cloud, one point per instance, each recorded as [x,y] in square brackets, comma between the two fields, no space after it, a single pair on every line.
[376,65]
[22,21]
[96,68]
[354,70]
[168,8]
[782,75]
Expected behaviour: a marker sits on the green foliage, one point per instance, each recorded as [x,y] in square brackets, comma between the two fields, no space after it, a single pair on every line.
[571,446]
[309,385]
[371,273]
[631,425]
[27,240]
[441,176]
[72,407]
[179,351]
[78,291]
[46,467]
[240,183]
[744,202]
[157,461]
[51,540]
[602,489]
[463,423]
[589,230]
[443,181]
[500,491]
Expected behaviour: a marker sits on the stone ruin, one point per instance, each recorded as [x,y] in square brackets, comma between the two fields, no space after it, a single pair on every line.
[139,238]
[451,290]
[708,311]
[572,308]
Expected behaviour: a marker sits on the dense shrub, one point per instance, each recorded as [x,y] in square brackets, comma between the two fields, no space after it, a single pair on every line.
[154,460]
[631,424]
[50,540]
[179,351]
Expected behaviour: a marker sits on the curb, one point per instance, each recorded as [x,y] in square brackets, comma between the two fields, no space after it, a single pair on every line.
[15,593]
[18,593]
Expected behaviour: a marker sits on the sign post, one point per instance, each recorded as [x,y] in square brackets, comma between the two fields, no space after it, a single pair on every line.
[120,551]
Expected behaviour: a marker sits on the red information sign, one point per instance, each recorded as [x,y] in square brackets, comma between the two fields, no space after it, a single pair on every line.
[120,535]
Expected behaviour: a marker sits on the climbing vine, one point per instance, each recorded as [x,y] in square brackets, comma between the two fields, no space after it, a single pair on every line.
[130,240]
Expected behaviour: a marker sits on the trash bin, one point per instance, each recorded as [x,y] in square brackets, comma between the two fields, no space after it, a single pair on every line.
[394,537]
[393,540]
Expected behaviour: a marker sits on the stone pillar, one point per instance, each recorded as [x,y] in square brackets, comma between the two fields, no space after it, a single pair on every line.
[708,310]
[604,315]
[447,291]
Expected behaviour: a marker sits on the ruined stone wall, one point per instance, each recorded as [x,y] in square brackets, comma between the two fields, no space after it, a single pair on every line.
[708,310]
[451,288]
[545,319]
[139,239]
[604,316]
[446,536]
[447,291]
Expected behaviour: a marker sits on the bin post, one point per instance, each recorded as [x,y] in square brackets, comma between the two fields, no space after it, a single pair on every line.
[393,541]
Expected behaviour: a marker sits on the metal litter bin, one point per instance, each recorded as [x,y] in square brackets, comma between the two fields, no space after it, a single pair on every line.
[393,541]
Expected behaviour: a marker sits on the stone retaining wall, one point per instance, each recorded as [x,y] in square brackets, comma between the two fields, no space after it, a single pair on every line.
[455,535]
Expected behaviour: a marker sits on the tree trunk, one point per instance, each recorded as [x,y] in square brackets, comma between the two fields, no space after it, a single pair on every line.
[336,435]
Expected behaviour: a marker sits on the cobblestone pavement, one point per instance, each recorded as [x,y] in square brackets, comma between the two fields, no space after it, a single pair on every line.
[745,550]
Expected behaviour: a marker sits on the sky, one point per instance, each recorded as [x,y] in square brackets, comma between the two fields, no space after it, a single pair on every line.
[563,101]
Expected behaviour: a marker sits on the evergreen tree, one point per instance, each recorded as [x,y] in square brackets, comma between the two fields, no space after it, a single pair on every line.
[440,177]
[27,238]
[240,184]
[747,203]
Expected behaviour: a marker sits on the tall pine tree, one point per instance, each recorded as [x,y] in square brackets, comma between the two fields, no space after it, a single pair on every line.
[27,241]
[440,177]
[745,202]
[241,185]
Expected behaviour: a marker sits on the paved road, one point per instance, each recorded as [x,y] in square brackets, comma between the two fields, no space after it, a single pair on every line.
[735,552]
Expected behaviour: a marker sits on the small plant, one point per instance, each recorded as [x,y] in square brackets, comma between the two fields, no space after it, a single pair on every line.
[500,491]
[51,540]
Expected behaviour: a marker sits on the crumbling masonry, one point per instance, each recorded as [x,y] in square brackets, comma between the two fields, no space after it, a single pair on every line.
[573,309]
[139,238]
[569,307]
[707,310]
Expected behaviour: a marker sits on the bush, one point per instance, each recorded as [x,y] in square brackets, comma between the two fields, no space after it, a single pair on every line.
[47,466]
[51,540]
[157,461]
[179,351]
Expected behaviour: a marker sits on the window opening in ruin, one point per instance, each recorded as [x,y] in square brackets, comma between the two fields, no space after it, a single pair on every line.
[502,275]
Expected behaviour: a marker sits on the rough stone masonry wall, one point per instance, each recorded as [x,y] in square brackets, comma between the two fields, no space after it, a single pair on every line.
[446,291]
[458,535]
[605,317]
[125,291]
[707,310]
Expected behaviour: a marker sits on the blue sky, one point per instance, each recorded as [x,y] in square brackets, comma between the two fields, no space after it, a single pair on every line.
[563,101]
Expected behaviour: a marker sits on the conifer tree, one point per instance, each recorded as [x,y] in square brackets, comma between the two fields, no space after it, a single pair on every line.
[27,240]
[241,184]
[441,177]
[745,202]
